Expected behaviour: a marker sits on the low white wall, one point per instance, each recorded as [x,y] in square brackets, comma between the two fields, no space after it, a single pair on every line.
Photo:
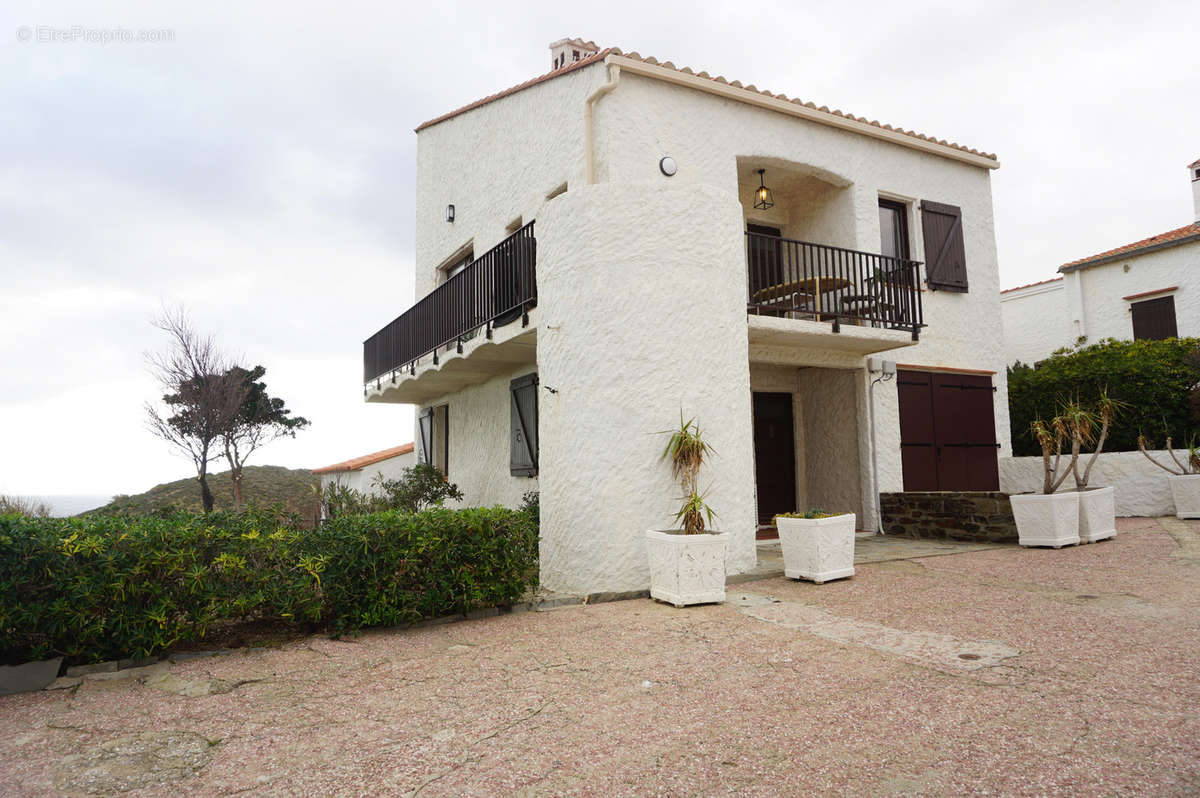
[1140,487]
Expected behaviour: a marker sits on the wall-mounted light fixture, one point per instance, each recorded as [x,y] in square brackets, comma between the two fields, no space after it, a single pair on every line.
[762,194]
[667,166]
[449,213]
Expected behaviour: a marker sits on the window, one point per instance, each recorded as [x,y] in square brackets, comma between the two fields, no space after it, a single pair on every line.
[458,264]
[945,254]
[893,229]
[523,434]
[433,437]
[1154,319]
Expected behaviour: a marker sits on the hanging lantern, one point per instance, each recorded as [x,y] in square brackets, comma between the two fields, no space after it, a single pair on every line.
[762,195]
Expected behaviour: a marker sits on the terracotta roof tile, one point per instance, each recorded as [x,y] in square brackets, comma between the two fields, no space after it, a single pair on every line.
[600,56]
[1194,164]
[359,463]
[1031,285]
[1179,235]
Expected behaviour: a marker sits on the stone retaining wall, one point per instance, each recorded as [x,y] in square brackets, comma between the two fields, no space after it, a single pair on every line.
[978,516]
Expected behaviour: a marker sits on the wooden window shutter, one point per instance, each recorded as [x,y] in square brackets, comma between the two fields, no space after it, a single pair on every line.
[523,443]
[1154,319]
[945,255]
[425,436]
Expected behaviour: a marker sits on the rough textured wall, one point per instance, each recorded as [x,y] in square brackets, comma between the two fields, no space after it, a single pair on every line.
[644,119]
[1106,314]
[1036,322]
[479,419]
[980,516]
[831,440]
[642,292]
[496,163]
[1139,487]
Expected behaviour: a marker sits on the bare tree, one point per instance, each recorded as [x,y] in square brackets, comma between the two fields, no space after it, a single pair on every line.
[202,395]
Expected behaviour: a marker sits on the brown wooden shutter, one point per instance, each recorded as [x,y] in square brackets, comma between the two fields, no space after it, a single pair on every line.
[523,442]
[945,255]
[425,436]
[918,453]
[1154,319]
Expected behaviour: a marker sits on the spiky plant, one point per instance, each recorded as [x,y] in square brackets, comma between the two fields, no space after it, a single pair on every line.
[1105,413]
[686,451]
[1051,435]
[1190,466]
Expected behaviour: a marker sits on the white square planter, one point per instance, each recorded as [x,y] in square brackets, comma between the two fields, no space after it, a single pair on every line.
[1046,519]
[1097,514]
[1185,490]
[819,549]
[687,569]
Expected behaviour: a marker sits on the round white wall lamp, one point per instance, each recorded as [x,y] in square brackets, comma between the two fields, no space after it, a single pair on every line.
[667,166]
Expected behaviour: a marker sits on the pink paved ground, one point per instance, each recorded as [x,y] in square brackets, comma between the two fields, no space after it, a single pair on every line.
[635,698]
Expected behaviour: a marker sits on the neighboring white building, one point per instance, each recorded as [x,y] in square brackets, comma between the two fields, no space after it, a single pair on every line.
[1147,289]
[360,473]
[701,247]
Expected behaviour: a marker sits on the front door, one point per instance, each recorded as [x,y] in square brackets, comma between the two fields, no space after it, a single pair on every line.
[774,455]
[947,431]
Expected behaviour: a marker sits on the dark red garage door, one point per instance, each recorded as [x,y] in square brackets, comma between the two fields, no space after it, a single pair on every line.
[947,431]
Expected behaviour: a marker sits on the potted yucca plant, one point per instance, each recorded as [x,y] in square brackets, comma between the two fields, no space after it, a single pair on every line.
[1097,506]
[687,563]
[817,545]
[1184,476]
[1049,518]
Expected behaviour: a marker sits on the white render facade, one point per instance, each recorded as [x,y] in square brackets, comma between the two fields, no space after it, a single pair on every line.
[362,473]
[642,304]
[1105,296]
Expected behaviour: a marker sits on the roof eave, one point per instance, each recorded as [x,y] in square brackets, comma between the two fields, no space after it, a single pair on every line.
[768,101]
[1100,261]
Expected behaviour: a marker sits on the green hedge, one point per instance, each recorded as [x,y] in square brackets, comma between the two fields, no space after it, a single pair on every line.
[1154,378]
[101,588]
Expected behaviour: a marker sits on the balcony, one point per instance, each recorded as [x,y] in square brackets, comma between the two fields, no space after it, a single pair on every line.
[495,290]
[800,292]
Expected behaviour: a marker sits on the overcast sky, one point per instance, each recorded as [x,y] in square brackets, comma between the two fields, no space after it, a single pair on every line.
[259,168]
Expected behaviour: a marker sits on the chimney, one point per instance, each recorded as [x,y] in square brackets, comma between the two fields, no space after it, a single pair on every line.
[1194,174]
[567,51]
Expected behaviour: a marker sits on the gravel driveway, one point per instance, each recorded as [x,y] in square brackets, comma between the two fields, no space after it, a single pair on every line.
[1006,671]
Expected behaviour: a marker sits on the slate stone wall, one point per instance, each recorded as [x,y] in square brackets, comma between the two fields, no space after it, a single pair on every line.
[978,516]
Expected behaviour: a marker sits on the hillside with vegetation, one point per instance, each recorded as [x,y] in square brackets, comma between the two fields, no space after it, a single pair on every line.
[264,486]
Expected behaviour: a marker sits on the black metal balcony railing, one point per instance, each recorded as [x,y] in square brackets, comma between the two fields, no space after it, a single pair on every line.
[798,279]
[497,288]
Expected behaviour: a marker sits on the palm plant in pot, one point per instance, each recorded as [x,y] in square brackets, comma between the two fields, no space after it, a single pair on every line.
[687,564]
[1097,506]
[1049,518]
[817,545]
[1184,476]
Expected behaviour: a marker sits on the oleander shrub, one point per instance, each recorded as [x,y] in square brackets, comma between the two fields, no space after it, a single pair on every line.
[100,588]
[1155,380]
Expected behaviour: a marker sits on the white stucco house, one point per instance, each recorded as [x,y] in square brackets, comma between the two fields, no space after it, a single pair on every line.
[620,241]
[1147,289]
[361,473]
